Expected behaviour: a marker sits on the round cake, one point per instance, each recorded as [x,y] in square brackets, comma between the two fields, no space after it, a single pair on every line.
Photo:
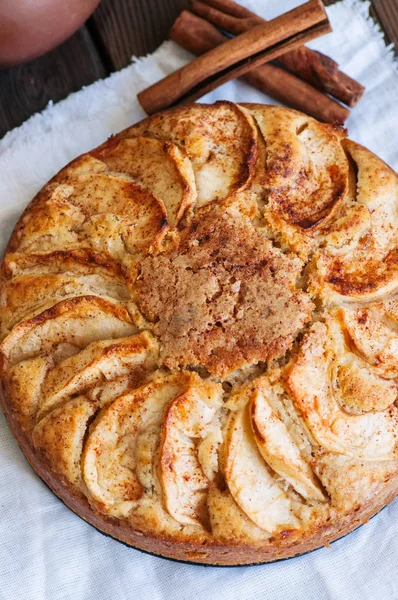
[199,334]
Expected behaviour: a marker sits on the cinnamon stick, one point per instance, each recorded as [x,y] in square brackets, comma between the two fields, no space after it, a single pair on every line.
[237,56]
[198,36]
[314,67]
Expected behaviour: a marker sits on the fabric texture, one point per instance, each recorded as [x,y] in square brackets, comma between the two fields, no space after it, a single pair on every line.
[47,552]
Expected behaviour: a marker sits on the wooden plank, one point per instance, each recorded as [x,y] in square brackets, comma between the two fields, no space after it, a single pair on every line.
[123,28]
[387,14]
[117,30]
[27,89]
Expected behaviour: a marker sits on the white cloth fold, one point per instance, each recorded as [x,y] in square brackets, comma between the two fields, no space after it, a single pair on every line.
[47,552]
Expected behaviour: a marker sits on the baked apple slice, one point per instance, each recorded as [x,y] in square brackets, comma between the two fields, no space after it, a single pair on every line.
[279,449]
[24,381]
[220,141]
[75,322]
[361,389]
[112,215]
[370,436]
[369,271]
[188,419]
[159,166]
[59,437]
[111,462]
[24,296]
[373,334]
[228,521]
[98,362]
[250,481]
[306,170]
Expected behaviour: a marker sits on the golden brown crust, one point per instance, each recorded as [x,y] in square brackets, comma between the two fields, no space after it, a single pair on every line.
[199,334]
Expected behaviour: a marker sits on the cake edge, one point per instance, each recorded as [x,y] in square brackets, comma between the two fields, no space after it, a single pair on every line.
[210,554]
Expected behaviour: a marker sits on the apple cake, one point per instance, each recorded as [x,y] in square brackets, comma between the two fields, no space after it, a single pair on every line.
[199,334]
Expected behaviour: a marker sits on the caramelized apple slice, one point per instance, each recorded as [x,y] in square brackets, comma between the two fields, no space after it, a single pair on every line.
[111,214]
[250,481]
[370,270]
[278,448]
[306,170]
[98,362]
[59,437]
[370,436]
[159,166]
[219,140]
[110,454]
[76,321]
[187,419]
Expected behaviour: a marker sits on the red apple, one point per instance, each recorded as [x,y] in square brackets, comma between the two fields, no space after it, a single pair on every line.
[29,28]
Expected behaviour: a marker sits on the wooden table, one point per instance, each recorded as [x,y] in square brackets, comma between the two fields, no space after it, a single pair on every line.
[117,30]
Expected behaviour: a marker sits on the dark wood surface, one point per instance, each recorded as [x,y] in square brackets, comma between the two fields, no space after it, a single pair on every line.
[386,12]
[28,88]
[126,27]
[117,30]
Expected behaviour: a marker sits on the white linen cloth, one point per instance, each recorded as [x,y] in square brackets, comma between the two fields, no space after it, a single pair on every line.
[46,551]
